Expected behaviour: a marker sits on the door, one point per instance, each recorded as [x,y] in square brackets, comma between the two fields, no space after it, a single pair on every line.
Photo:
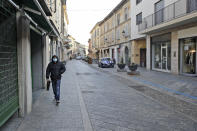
[36,60]
[126,55]
[164,57]
[112,53]
[8,62]
[159,16]
[143,57]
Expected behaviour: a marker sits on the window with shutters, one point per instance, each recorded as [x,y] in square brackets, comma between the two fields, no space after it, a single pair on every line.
[126,13]
[118,19]
[118,35]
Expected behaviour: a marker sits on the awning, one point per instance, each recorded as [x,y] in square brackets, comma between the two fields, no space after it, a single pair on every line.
[45,7]
[54,28]
[39,18]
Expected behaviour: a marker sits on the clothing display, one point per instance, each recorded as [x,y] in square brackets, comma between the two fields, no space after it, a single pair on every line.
[190,58]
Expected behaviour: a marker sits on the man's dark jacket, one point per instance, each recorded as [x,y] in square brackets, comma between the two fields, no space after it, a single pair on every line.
[55,70]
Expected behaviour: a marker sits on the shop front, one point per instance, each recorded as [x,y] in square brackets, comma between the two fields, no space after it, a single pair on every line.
[161,53]
[188,47]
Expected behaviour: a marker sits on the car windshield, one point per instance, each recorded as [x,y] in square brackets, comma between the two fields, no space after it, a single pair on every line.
[106,59]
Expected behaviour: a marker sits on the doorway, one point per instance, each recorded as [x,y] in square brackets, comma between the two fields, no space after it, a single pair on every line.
[36,60]
[126,55]
[162,56]
[188,47]
[143,57]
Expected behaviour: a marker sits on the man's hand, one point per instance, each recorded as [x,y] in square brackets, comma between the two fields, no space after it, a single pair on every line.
[48,80]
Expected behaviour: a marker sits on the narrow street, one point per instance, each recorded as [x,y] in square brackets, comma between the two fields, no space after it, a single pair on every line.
[96,101]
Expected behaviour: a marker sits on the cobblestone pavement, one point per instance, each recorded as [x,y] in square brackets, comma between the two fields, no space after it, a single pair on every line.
[113,105]
[183,87]
[95,101]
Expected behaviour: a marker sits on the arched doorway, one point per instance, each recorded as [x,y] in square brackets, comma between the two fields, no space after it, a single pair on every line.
[126,55]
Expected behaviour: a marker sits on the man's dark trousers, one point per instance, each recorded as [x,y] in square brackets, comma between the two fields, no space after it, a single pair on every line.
[56,89]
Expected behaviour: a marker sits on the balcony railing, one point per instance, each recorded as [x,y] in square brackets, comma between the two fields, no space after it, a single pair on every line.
[178,9]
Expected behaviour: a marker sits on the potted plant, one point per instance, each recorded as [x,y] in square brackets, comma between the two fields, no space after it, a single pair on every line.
[121,65]
[132,67]
[89,60]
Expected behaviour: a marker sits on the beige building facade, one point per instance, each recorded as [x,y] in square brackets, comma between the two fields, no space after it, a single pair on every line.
[171,36]
[115,33]
[59,19]
[95,41]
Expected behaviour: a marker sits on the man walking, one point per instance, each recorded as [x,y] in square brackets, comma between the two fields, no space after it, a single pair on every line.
[55,70]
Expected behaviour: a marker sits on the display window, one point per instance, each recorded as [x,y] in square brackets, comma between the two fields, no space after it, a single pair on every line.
[188,55]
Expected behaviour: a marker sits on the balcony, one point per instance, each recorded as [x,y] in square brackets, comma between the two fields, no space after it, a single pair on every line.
[177,14]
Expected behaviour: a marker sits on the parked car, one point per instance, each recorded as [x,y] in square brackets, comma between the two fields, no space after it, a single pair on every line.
[106,63]
[78,58]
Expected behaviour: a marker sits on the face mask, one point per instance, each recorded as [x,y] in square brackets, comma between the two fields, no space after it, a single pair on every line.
[54,59]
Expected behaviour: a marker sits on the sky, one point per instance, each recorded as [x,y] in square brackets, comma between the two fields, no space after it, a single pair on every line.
[84,14]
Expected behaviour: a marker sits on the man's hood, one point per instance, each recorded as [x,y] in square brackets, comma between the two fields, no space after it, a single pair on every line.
[56,57]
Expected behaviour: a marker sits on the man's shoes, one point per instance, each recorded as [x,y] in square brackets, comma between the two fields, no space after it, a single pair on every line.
[57,102]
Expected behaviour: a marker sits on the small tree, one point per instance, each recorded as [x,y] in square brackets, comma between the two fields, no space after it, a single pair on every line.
[129,61]
[122,60]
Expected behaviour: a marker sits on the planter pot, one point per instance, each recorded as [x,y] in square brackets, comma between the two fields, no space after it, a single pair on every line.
[121,66]
[132,67]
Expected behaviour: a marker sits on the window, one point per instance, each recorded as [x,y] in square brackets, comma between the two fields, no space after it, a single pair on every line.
[112,36]
[139,18]
[126,13]
[118,35]
[107,26]
[97,32]
[191,5]
[138,1]
[118,19]
[159,12]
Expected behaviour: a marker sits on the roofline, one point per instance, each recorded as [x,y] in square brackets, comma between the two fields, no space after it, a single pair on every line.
[112,12]
[98,23]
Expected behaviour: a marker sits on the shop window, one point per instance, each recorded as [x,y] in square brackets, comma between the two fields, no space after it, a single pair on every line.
[188,55]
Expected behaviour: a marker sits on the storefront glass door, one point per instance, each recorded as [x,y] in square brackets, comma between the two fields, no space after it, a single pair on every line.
[162,56]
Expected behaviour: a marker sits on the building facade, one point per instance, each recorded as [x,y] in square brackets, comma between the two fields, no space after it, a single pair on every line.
[95,41]
[138,48]
[115,38]
[24,53]
[59,19]
[171,35]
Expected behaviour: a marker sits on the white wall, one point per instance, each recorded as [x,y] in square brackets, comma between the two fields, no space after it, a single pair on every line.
[147,8]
